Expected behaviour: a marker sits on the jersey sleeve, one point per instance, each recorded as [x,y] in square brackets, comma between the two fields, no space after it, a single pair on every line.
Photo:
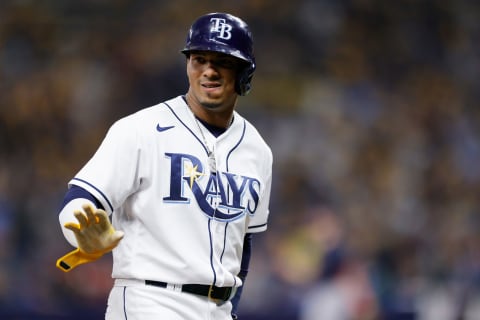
[111,175]
[259,220]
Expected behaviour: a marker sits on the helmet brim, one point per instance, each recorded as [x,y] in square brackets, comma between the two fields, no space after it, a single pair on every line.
[222,49]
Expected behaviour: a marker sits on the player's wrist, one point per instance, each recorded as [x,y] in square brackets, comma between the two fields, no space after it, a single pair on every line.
[91,255]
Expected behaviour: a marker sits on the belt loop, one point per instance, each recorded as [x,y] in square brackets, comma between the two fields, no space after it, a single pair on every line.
[210,291]
[174,287]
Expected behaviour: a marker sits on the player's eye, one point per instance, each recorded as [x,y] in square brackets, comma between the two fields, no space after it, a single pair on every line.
[226,63]
[199,59]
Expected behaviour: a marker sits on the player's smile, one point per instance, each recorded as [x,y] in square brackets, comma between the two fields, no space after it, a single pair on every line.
[211,86]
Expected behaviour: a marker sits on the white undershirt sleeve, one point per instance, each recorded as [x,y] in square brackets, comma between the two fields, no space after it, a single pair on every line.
[66,215]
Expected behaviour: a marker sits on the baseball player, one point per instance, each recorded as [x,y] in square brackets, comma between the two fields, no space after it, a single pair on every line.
[186,182]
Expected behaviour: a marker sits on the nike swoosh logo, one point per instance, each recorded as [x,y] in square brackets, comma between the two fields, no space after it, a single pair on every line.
[161,129]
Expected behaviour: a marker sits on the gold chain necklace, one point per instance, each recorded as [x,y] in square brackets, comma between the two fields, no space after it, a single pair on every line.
[212,163]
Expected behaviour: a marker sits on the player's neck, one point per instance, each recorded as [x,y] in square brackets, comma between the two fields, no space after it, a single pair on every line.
[220,119]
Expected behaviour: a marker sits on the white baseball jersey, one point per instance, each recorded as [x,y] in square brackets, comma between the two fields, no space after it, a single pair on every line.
[182,223]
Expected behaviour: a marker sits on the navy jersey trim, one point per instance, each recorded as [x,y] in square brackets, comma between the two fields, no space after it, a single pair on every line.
[186,127]
[98,190]
[238,143]
[224,241]
[77,192]
[257,226]
[211,252]
[231,151]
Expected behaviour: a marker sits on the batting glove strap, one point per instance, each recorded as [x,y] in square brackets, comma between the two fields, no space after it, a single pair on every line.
[76,258]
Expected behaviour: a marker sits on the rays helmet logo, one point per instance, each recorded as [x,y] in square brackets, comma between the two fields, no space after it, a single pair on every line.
[221,29]
[223,196]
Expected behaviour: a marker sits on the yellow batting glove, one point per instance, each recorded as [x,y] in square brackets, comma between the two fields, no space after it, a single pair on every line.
[95,236]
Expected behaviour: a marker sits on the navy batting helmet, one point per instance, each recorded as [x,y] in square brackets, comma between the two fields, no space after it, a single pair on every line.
[225,33]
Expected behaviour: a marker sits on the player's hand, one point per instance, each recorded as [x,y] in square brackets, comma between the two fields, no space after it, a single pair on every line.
[95,236]
[94,232]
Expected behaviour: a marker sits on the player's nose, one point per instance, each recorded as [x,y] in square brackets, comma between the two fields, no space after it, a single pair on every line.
[210,69]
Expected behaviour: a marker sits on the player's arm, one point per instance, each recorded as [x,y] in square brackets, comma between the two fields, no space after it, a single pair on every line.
[92,233]
[247,252]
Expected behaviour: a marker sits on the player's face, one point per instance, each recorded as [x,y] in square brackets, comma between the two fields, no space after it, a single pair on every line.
[211,76]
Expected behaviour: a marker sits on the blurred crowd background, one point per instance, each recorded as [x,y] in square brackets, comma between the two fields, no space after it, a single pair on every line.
[371,110]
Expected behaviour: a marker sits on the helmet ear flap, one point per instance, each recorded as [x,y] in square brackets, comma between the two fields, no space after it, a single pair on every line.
[244,78]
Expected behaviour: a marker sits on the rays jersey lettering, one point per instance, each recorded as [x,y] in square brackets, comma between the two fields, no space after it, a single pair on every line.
[223,196]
